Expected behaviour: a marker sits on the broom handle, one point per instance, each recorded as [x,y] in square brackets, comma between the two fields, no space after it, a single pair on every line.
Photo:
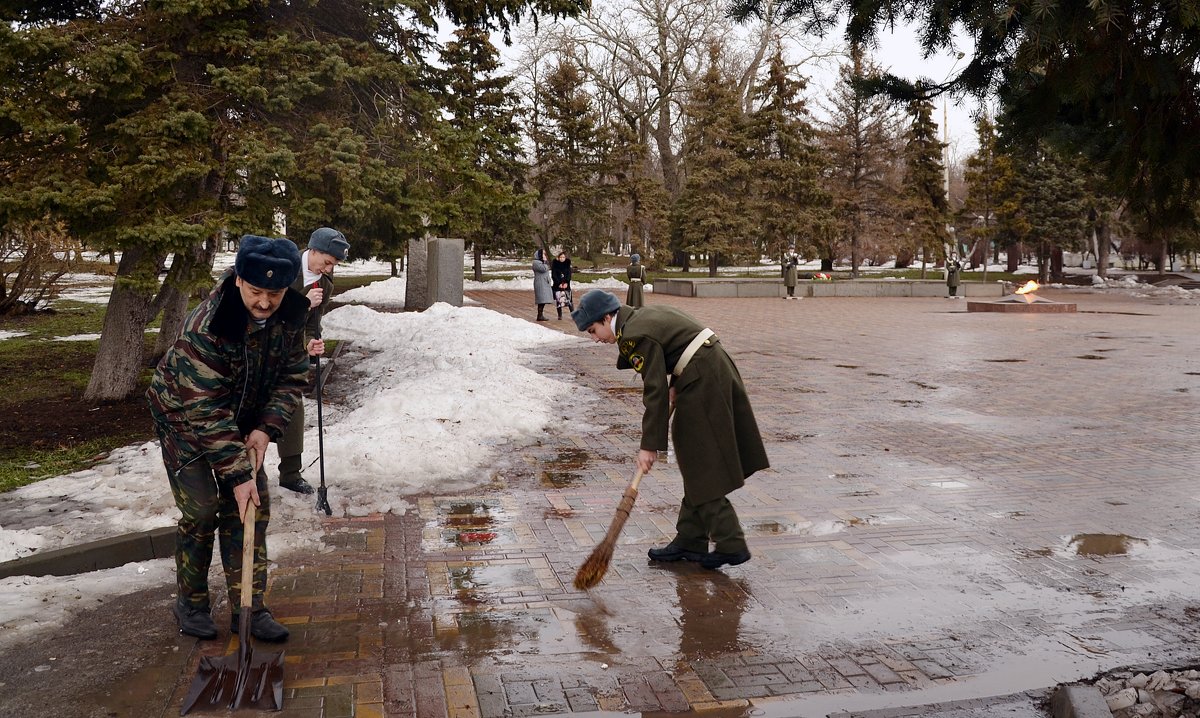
[623,509]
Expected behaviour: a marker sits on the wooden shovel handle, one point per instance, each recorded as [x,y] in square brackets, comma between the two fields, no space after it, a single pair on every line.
[248,544]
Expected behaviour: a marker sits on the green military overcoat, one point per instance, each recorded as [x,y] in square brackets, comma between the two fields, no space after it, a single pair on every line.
[292,441]
[716,437]
[637,280]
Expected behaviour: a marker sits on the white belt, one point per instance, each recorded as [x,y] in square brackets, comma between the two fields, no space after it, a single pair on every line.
[691,350]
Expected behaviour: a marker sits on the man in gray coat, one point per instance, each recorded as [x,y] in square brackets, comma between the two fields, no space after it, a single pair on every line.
[717,442]
[326,247]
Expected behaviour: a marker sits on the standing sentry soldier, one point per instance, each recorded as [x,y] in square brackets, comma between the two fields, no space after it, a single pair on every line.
[717,443]
[326,247]
[636,273]
[227,386]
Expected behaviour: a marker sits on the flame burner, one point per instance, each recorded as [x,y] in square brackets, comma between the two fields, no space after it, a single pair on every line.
[1026,303]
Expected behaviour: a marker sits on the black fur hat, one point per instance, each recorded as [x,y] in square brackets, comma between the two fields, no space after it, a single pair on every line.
[267,263]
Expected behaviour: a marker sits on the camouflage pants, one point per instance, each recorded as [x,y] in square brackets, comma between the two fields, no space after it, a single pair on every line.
[206,511]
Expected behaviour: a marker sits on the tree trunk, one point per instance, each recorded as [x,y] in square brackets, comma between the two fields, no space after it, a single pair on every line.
[478,256]
[1056,264]
[119,360]
[855,253]
[712,264]
[174,304]
[1103,247]
[395,270]
[1014,257]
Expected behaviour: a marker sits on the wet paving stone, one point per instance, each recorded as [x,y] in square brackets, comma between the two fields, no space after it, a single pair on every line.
[946,491]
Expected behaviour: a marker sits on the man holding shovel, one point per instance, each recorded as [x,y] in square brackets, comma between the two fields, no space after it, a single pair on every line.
[222,392]
[717,443]
[326,247]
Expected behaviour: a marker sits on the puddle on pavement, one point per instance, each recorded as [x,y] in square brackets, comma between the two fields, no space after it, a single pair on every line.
[1007,514]
[923,385]
[1103,544]
[846,366]
[947,484]
[1090,356]
[471,523]
[492,578]
[874,520]
[1088,546]
[563,468]
[1005,361]
[776,527]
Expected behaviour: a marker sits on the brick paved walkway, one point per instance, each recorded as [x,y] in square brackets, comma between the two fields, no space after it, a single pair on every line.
[960,506]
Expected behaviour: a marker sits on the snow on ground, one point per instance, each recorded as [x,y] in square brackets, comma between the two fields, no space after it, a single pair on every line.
[78,338]
[10,334]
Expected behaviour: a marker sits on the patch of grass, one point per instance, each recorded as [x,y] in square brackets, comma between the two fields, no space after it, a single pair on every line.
[19,468]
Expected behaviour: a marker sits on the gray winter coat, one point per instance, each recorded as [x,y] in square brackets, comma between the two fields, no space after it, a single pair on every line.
[543,293]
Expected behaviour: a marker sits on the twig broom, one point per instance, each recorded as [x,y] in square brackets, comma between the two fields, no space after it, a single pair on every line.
[596,565]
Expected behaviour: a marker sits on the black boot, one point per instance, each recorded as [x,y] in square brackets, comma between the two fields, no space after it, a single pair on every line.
[541,317]
[671,552]
[194,621]
[716,559]
[289,475]
[262,626]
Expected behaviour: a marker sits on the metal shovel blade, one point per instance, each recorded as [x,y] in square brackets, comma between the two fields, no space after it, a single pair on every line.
[244,680]
[247,679]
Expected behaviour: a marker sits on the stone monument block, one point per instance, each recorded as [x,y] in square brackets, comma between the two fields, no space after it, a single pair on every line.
[416,290]
[444,264]
[435,272]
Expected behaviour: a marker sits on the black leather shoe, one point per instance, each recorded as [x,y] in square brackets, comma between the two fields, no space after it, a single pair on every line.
[194,621]
[716,559]
[262,626]
[671,552]
[297,484]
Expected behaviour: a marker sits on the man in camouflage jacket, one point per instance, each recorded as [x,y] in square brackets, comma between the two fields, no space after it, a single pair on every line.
[229,385]
[717,441]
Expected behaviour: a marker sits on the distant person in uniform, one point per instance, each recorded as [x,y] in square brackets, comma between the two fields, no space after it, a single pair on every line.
[543,293]
[637,280]
[789,277]
[229,384]
[716,438]
[953,269]
[326,247]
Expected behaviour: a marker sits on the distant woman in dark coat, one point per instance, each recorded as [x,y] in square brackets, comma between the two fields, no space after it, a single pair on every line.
[542,293]
[560,275]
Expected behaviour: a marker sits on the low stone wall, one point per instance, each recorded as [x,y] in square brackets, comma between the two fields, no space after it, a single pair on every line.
[811,288]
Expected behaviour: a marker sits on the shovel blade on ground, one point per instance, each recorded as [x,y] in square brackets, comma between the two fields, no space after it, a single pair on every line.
[233,682]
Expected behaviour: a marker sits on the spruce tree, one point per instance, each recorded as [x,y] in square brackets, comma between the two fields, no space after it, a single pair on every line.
[790,203]
[861,140]
[710,215]
[925,206]
[571,162]
[988,170]
[482,187]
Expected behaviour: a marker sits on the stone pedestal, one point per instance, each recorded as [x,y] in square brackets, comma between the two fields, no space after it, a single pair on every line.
[435,272]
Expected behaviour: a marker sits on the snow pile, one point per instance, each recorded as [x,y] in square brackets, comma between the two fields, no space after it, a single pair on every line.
[386,293]
[436,393]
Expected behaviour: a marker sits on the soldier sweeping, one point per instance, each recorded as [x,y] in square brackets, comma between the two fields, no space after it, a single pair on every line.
[326,247]
[229,385]
[716,437]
